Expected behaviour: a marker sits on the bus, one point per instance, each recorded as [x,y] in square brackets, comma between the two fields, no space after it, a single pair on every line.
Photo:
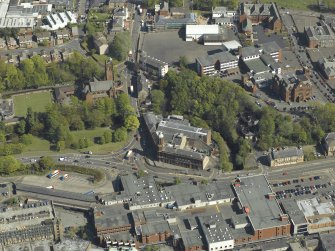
[53,174]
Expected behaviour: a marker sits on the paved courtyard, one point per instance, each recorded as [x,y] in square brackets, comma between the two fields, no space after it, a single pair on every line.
[169,46]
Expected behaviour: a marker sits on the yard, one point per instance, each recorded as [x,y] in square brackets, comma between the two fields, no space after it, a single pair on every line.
[36,100]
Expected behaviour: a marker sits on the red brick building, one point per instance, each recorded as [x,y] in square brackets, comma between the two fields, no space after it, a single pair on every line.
[266,14]
[266,220]
[294,88]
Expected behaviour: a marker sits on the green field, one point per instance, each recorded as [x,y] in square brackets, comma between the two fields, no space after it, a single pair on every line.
[299,4]
[96,148]
[37,101]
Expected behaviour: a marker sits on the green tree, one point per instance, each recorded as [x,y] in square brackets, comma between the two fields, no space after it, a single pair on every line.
[26,139]
[21,127]
[120,134]
[158,101]
[183,62]
[177,180]
[9,164]
[120,46]
[46,163]
[131,122]
[60,145]
[108,136]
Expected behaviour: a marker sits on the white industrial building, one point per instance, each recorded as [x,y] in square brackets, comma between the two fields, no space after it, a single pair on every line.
[196,32]
[59,20]
[22,15]
[217,233]
[231,45]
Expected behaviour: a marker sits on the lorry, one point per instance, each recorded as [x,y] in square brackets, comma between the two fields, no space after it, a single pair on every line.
[64,177]
[53,174]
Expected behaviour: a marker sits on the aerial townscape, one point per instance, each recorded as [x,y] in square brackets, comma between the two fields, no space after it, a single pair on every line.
[170,125]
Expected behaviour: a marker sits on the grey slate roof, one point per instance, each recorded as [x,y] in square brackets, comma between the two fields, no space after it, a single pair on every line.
[264,213]
[249,51]
[294,212]
[270,47]
[222,57]
[257,66]
[287,152]
[330,139]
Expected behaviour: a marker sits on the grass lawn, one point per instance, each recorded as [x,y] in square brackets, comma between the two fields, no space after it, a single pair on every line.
[37,101]
[98,17]
[100,58]
[38,145]
[298,4]
[96,148]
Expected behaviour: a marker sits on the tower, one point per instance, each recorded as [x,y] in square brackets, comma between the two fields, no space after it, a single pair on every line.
[109,72]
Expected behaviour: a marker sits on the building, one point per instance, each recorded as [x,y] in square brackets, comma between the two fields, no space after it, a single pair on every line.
[25,41]
[224,21]
[3,43]
[166,23]
[328,68]
[223,62]
[42,38]
[110,221]
[313,215]
[264,215]
[292,87]
[286,156]
[319,36]
[6,108]
[63,94]
[117,4]
[272,49]
[59,20]
[329,143]
[98,89]
[266,14]
[249,53]
[232,45]
[100,43]
[327,241]
[121,12]
[216,232]
[11,43]
[29,222]
[190,196]
[177,142]
[178,12]
[216,39]
[196,32]
[221,11]
[153,65]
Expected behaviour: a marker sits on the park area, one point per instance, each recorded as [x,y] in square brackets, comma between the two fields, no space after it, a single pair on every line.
[36,100]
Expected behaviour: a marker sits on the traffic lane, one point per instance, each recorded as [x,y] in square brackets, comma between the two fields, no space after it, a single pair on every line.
[298,170]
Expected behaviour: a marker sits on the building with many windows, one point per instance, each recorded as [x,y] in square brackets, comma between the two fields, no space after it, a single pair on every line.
[265,218]
[286,156]
[320,36]
[223,62]
[258,13]
[153,65]
[177,142]
[292,87]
